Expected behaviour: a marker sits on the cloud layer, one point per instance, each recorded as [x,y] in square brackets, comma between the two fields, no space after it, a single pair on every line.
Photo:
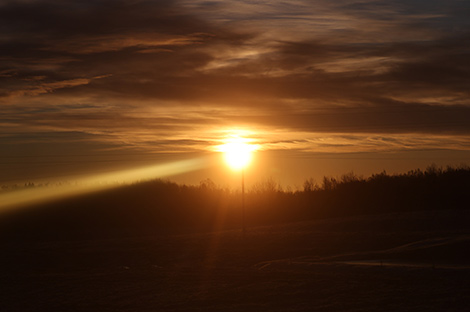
[163,76]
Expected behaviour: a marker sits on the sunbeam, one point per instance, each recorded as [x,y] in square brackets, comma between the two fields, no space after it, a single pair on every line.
[93,183]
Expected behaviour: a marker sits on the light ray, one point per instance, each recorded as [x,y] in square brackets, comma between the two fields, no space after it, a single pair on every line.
[24,197]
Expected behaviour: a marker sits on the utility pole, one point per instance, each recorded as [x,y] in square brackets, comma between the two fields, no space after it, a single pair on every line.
[243,203]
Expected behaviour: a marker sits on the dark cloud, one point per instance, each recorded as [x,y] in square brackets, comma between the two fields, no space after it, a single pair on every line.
[64,18]
[62,41]
[405,119]
[65,40]
[132,67]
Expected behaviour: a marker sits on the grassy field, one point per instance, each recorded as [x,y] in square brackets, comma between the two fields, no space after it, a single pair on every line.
[407,261]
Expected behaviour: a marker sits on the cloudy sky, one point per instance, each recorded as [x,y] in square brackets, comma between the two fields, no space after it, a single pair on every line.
[322,86]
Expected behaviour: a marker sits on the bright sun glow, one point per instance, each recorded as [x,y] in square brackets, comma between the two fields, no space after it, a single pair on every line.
[238,152]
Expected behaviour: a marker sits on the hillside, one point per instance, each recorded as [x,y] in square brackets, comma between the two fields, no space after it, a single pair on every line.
[407,261]
[156,207]
[387,243]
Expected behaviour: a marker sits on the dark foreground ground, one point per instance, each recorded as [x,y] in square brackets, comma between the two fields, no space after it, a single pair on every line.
[397,262]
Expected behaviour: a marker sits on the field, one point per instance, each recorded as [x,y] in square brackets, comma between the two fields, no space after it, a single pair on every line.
[404,261]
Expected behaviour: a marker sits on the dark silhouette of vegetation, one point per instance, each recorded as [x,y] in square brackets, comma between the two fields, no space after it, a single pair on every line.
[158,206]
[434,188]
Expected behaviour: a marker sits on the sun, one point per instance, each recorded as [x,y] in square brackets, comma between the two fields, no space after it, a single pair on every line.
[237,155]
[238,152]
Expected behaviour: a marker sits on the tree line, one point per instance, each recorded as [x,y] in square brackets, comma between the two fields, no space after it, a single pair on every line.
[161,206]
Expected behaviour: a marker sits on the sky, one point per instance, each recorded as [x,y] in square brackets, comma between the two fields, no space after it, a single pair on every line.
[322,87]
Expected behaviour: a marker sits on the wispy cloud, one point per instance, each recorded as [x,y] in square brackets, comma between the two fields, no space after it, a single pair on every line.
[143,74]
